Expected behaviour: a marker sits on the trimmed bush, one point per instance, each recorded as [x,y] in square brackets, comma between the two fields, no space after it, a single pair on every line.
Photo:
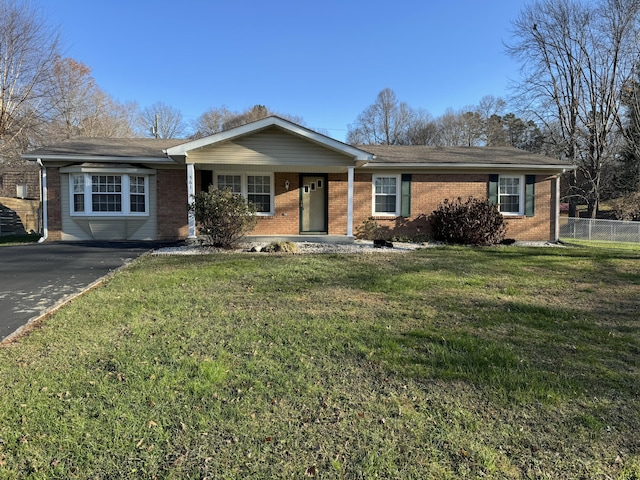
[223,217]
[474,222]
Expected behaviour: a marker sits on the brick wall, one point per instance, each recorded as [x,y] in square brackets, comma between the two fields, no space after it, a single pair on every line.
[338,208]
[54,204]
[172,204]
[427,192]
[540,227]
[29,175]
[286,218]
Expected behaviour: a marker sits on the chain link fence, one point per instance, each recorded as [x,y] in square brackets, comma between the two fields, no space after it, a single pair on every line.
[596,229]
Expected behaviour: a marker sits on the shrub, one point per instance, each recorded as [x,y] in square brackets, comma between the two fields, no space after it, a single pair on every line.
[474,222]
[369,230]
[223,217]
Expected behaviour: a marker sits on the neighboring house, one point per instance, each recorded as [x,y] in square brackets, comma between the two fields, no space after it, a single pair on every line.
[302,182]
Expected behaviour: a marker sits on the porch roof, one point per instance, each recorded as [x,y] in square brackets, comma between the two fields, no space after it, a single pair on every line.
[183,149]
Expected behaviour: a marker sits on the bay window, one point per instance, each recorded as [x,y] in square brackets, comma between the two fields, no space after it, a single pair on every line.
[109,194]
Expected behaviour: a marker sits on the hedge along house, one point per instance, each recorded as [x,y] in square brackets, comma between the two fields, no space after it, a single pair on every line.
[303,183]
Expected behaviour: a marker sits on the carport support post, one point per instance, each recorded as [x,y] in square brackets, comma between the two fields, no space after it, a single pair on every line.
[350,202]
[191,193]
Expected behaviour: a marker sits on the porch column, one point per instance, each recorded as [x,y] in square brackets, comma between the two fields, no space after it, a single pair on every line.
[191,193]
[350,202]
[557,208]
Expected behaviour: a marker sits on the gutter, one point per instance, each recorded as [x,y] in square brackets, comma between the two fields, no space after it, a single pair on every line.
[469,166]
[99,159]
[43,198]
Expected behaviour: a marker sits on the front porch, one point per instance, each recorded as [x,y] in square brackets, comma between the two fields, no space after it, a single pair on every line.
[301,182]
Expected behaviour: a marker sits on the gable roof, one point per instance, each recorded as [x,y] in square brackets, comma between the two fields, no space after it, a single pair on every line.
[397,156]
[268,122]
[171,151]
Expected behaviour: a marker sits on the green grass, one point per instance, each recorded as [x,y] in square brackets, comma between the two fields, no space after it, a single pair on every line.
[443,363]
[633,246]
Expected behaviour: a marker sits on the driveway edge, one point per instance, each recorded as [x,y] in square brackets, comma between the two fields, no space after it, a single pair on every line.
[37,320]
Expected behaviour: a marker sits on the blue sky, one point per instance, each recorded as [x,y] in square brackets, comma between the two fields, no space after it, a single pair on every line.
[323,60]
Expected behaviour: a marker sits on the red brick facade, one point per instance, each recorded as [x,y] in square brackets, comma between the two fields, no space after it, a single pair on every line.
[54,205]
[172,204]
[427,192]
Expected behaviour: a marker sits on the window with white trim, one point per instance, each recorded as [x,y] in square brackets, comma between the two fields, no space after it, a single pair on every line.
[109,194]
[231,182]
[257,189]
[386,195]
[511,194]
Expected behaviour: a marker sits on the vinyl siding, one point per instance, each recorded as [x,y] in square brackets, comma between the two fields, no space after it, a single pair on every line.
[108,228]
[270,147]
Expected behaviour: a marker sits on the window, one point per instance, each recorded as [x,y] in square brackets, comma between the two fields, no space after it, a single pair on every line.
[232,182]
[77,193]
[137,194]
[106,194]
[385,195]
[510,195]
[257,189]
[259,192]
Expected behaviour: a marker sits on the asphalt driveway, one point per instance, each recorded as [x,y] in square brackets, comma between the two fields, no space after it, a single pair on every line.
[35,278]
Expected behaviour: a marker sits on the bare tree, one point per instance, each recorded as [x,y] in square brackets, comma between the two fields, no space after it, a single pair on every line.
[212,121]
[219,119]
[78,108]
[384,122]
[451,129]
[161,121]
[627,178]
[28,48]
[423,130]
[576,57]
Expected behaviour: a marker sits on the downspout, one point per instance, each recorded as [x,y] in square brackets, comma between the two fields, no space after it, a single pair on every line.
[43,199]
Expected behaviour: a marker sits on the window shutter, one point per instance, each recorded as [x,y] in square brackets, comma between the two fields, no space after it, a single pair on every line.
[405,192]
[493,188]
[529,195]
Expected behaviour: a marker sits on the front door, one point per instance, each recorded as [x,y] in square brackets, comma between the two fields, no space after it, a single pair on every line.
[313,204]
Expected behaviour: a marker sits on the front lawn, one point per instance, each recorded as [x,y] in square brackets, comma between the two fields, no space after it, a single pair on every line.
[442,363]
